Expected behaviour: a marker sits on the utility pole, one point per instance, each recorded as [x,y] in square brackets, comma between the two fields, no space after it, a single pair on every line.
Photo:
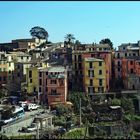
[80,112]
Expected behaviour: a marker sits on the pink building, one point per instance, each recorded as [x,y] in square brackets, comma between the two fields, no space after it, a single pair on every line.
[53,85]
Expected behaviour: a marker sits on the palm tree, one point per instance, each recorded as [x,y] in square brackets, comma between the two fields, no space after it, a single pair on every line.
[70,38]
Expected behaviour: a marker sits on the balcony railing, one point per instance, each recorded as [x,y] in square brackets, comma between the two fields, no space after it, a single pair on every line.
[55,94]
[56,76]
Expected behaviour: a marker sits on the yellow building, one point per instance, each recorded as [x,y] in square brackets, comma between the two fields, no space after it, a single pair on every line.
[94,76]
[32,80]
[32,77]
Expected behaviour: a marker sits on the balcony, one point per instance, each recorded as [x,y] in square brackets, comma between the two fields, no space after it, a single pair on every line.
[55,94]
[56,76]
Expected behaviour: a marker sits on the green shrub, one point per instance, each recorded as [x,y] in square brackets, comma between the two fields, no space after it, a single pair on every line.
[116,102]
[23,137]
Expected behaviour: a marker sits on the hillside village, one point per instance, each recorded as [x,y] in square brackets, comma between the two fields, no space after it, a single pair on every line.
[90,90]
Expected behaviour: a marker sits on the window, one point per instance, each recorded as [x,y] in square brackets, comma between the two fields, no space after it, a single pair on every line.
[34,89]
[90,73]
[80,65]
[131,62]
[125,54]
[61,82]
[18,66]
[100,49]
[75,65]
[0,69]
[4,78]
[100,89]
[30,74]
[46,89]
[75,57]
[91,82]
[79,58]
[0,79]
[100,82]
[90,65]
[9,71]
[53,81]
[119,63]
[27,57]
[118,69]
[118,55]
[39,89]
[46,82]
[131,71]
[18,74]
[91,90]
[30,80]
[100,72]
[76,72]
[40,81]
[53,91]
[9,64]
[40,74]
[139,63]
[100,63]
[21,57]
[46,73]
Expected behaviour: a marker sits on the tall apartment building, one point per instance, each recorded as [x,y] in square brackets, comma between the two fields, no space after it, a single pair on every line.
[94,73]
[124,50]
[53,85]
[78,57]
[131,72]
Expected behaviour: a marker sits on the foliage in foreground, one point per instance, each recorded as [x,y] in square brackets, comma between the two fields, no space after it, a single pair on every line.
[23,137]
[74,134]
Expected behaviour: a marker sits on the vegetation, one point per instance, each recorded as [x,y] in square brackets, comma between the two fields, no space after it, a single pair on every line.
[116,101]
[69,39]
[127,105]
[107,41]
[23,137]
[74,134]
[77,43]
[39,33]
[7,112]
[75,97]
[30,136]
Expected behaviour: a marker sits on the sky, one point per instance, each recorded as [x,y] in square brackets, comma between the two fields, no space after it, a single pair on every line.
[88,21]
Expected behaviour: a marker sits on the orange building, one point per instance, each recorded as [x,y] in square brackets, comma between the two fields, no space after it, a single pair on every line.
[131,72]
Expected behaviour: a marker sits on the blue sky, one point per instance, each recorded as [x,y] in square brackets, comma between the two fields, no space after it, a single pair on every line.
[88,21]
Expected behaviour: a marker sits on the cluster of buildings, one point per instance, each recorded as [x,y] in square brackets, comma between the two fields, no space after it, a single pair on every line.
[50,71]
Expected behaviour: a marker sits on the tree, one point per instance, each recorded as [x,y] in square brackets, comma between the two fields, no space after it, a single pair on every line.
[107,41]
[7,112]
[127,105]
[69,38]
[77,43]
[74,97]
[39,32]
